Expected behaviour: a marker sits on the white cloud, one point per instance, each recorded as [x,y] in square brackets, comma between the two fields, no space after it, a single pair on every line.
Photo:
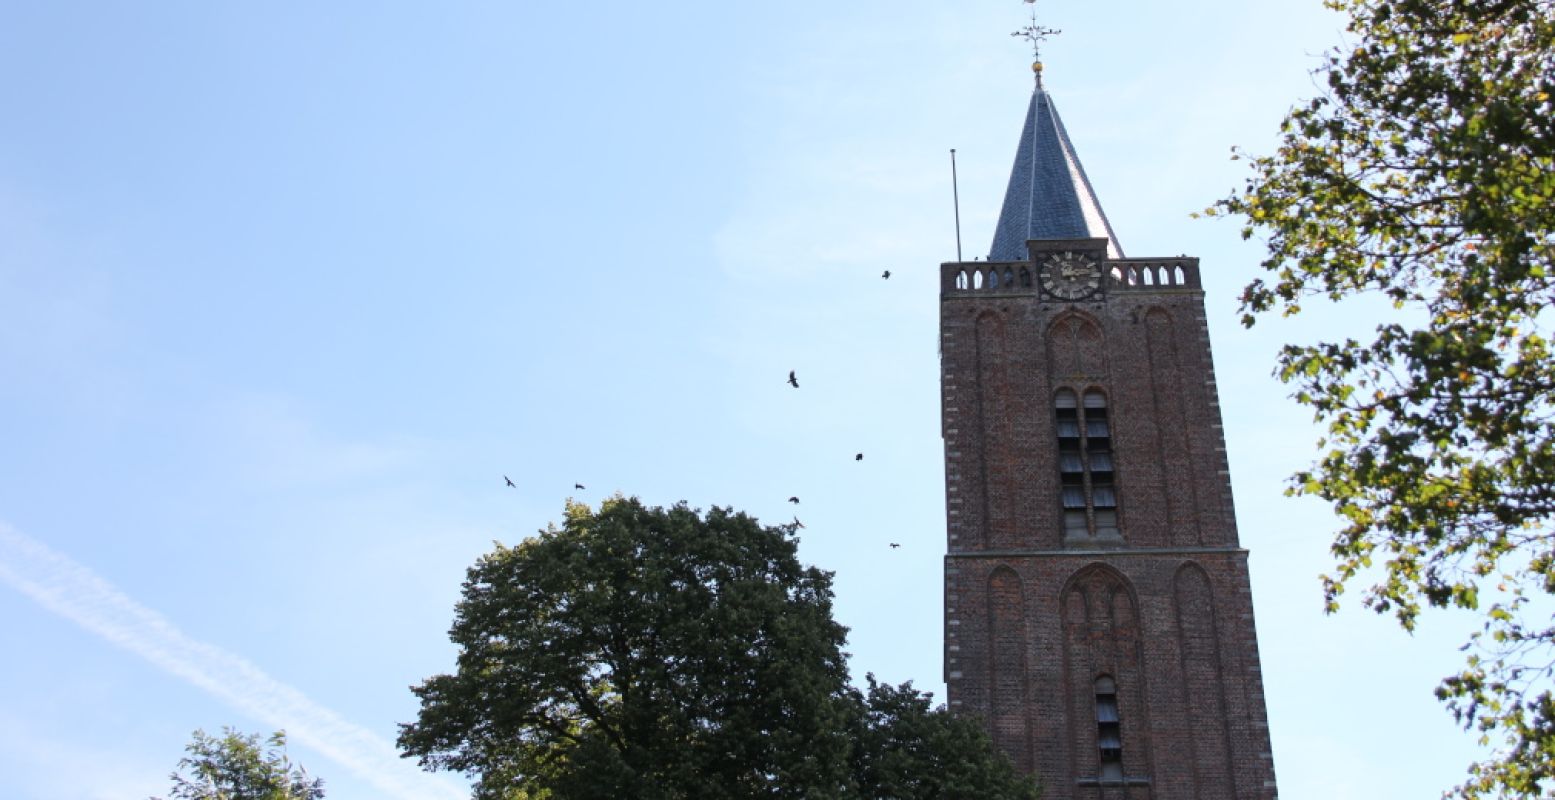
[73,591]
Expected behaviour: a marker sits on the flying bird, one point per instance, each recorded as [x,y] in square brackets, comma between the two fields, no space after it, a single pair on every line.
[793,381]
[886,275]
[797,523]
[511,484]
[894,545]
[580,487]
[794,500]
[858,457]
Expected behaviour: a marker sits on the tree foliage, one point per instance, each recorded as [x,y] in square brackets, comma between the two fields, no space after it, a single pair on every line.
[236,766]
[905,749]
[1425,175]
[658,654]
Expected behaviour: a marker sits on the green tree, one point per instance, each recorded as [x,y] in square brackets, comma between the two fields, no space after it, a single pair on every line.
[237,767]
[649,653]
[906,749]
[1425,175]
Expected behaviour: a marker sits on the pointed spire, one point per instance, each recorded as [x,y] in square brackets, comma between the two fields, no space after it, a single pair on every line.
[1049,196]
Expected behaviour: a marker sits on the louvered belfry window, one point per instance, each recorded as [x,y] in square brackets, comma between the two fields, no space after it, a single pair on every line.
[1109,729]
[1087,488]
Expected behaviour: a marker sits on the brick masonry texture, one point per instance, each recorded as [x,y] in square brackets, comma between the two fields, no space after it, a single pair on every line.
[1034,618]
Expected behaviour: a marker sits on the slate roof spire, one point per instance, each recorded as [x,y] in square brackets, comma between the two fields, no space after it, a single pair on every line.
[1049,196]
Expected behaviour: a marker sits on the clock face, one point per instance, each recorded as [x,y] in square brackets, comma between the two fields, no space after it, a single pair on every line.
[1070,276]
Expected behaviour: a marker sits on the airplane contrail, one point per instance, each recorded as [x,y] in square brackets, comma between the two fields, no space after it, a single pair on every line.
[75,592]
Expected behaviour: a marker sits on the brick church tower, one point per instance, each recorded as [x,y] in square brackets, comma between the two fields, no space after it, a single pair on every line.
[1097,608]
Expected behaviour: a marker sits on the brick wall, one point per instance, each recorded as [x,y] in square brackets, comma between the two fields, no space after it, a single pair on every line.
[1035,617]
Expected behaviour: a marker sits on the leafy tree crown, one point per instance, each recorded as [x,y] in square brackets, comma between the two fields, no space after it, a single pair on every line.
[1425,175]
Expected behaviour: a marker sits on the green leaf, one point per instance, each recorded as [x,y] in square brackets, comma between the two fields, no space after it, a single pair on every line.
[1425,175]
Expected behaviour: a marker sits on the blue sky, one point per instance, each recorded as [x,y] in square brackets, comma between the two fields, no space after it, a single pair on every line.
[287,288]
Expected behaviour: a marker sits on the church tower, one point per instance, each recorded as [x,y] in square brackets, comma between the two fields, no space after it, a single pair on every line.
[1097,609]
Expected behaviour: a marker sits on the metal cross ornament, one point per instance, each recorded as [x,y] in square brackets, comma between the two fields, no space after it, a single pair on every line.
[1034,33]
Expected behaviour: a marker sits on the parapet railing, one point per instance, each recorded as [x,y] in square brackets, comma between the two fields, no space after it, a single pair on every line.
[1020,277]
[1150,274]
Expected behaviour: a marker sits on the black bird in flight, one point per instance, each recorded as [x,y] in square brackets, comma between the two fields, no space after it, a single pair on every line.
[858,457]
[511,484]
[886,274]
[580,487]
[797,523]
[794,500]
[894,545]
[793,381]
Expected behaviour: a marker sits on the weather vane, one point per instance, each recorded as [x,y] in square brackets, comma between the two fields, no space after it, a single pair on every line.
[1036,34]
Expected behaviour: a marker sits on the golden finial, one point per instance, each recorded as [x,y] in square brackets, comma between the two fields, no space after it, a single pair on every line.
[1036,34]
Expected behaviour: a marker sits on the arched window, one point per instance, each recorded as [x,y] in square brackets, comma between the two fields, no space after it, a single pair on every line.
[1025,278]
[961,282]
[1087,486]
[1109,729]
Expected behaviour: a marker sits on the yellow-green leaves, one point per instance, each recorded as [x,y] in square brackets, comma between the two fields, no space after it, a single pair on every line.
[1426,174]
[237,765]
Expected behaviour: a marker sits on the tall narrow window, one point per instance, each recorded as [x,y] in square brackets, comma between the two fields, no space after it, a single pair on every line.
[1071,466]
[1098,451]
[1087,487]
[1109,729]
